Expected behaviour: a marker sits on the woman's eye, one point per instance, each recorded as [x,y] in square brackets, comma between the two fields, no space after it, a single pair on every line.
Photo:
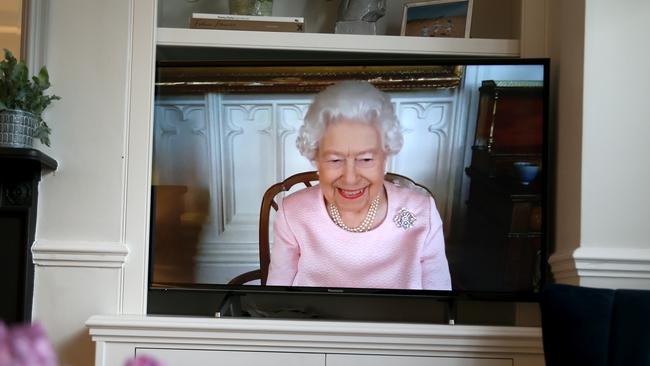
[365,162]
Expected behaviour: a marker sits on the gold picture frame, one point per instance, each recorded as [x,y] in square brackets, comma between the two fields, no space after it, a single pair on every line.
[437,18]
[198,79]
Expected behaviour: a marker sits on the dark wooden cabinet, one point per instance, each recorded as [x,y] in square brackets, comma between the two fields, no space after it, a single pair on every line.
[503,212]
[510,116]
[174,240]
[20,173]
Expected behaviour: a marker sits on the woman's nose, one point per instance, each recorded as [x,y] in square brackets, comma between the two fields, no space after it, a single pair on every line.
[350,173]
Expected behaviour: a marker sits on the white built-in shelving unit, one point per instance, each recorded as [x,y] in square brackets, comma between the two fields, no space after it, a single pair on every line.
[329,42]
[500,28]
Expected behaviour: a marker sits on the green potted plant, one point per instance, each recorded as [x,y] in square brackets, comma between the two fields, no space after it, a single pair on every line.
[22,101]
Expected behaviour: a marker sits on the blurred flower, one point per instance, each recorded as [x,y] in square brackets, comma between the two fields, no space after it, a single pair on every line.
[143,361]
[25,345]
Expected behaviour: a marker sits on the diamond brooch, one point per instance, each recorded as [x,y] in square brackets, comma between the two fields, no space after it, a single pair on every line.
[404,219]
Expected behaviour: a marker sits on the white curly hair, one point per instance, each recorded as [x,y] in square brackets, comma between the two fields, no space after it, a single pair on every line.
[352,100]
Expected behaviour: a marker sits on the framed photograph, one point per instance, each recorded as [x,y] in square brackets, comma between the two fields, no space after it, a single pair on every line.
[437,18]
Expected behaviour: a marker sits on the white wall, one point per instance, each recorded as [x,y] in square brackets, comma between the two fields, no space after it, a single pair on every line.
[616,125]
[87,63]
[80,205]
[603,205]
[615,173]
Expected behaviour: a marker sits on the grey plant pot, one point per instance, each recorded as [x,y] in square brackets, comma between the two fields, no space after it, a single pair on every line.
[17,128]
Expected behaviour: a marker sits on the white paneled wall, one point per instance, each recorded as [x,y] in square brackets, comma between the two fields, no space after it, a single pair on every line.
[230,148]
[429,125]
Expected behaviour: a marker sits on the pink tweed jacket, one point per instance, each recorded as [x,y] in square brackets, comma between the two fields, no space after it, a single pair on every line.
[310,250]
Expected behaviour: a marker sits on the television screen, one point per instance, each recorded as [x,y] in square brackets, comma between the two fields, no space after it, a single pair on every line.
[476,143]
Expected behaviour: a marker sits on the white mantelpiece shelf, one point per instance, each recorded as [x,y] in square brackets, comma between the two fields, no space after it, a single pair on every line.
[121,336]
[337,42]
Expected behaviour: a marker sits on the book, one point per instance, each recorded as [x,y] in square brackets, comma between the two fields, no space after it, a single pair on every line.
[247,22]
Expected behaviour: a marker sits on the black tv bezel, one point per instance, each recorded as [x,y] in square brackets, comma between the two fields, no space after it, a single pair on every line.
[547,176]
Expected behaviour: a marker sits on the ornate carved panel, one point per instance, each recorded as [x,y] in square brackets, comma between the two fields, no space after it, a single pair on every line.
[247,142]
[17,194]
[182,148]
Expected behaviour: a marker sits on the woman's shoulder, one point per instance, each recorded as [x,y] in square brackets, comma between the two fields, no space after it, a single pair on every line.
[305,196]
[302,205]
[404,195]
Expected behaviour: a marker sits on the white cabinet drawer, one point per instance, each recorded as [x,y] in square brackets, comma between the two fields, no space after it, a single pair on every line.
[187,357]
[373,360]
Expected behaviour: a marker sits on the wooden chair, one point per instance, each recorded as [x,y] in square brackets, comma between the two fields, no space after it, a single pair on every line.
[269,202]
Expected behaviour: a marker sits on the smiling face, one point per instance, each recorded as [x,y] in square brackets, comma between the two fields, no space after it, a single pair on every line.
[351,161]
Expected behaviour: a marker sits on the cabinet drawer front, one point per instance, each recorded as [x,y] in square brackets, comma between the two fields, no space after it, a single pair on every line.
[372,360]
[185,357]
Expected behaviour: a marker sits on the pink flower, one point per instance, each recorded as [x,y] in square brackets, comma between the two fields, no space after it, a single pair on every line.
[143,361]
[25,345]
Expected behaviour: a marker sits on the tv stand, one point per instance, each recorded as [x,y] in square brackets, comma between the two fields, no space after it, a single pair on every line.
[240,305]
[230,306]
[338,308]
[452,311]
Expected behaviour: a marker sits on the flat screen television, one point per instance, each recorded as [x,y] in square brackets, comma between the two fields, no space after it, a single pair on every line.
[476,134]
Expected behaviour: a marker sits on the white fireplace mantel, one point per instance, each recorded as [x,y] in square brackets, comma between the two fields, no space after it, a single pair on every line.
[201,339]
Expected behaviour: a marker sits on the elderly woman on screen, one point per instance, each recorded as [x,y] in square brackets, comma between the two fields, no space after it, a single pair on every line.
[354,229]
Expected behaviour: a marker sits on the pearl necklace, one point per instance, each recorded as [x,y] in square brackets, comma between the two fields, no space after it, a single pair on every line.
[365,225]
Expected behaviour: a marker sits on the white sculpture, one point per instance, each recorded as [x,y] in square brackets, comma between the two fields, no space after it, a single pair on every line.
[359,16]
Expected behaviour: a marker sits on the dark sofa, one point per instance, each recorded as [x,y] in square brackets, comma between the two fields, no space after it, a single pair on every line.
[594,326]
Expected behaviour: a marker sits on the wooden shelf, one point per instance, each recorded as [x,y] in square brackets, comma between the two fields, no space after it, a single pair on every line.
[183,37]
